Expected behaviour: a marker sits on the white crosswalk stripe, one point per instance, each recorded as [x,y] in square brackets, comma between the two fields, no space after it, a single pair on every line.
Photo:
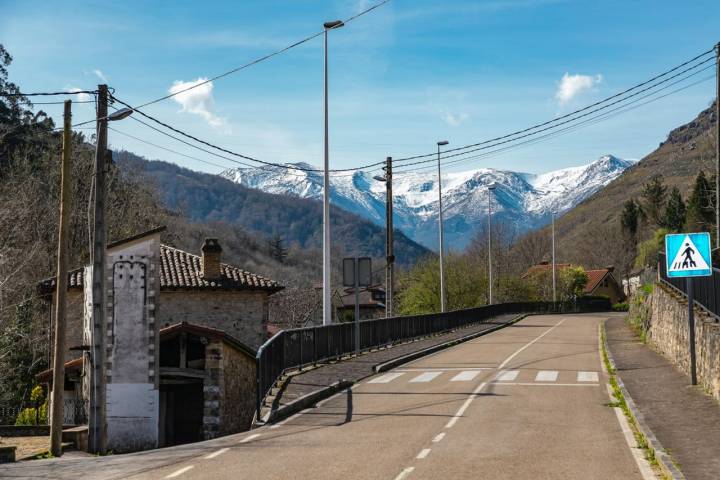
[387,378]
[587,377]
[546,376]
[507,375]
[465,376]
[425,377]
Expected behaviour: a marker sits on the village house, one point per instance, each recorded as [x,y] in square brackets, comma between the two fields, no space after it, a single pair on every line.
[601,281]
[181,335]
[371,300]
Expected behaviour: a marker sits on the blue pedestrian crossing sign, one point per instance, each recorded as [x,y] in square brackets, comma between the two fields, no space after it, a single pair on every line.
[688,255]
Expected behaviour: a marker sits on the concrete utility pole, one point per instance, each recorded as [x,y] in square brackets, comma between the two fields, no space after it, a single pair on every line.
[327,271]
[97,431]
[440,212]
[57,400]
[389,256]
[490,278]
[553,258]
[717,145]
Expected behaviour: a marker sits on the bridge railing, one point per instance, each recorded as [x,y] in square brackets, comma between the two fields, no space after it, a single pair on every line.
[706,290]
[296,348]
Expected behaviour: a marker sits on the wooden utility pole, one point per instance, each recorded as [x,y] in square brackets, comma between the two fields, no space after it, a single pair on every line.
[389,256]
[57,400]
[97,431]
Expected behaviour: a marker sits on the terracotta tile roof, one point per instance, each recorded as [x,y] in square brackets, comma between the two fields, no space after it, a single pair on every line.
[594,278]
[72,365]
[180,270]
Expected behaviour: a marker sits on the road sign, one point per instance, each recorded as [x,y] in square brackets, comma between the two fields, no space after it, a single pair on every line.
[688,255]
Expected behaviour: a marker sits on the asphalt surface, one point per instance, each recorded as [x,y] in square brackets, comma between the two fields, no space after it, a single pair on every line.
[528,401]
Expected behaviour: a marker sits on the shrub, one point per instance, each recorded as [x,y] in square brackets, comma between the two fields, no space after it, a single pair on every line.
[621,307]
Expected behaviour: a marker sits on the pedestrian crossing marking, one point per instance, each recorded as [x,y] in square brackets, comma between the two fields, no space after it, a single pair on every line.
[425,377]
[465,376]
[546,376]
[387,378]
[507,375]
[587,377]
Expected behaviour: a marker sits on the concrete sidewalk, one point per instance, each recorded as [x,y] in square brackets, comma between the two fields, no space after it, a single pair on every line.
[357,368]
[685,420]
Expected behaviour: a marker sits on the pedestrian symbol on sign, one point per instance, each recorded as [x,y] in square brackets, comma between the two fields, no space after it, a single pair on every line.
[688,254]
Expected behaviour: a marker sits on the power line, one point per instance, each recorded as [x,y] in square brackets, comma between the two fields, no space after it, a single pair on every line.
[46,94]
[619,94]
[554,124]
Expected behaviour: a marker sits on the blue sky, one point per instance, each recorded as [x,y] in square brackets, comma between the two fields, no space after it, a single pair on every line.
[408,74]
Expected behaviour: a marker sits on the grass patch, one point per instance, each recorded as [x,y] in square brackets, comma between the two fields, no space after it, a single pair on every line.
[619,402]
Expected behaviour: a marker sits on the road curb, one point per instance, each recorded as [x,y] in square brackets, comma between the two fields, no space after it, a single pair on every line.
[306,401]
[664,460]
[310,399]
[395,362]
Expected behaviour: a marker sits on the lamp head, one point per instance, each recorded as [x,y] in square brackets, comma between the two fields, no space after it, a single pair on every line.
[442,142]
[334,24]
[120,114]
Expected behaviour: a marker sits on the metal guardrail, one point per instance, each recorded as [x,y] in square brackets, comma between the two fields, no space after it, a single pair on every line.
[293,349]
[706,290]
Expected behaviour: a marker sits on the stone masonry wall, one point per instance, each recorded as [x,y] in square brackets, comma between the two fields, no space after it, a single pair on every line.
[212,389]
[668,332]
[242,315]
[237,407]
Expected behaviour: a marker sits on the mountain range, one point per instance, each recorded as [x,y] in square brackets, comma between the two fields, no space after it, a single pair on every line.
[522,201]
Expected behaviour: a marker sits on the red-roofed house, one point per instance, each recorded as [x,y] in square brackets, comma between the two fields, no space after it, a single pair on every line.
[181,332]
[601,281]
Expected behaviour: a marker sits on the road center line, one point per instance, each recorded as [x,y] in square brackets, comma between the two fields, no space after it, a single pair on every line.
[438,437]
[423,453]
[405,473]
[249,438]
[215,454]
[517,352]
[180,472]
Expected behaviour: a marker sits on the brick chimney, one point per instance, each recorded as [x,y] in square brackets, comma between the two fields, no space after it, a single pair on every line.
[211,253]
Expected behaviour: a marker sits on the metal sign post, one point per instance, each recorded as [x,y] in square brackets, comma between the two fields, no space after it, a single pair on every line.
[688,255]
[357,272]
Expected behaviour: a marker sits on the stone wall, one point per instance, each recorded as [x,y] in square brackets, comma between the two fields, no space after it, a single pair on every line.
[74,322]
[237,407]
[668,332]
[242,315]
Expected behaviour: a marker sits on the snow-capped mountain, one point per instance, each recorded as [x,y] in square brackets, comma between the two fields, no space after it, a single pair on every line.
[523,200]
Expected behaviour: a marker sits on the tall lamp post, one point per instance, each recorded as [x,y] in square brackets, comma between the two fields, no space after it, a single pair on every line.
[553,258]
[440,211]
[491,188]
[327,272]
[389,256]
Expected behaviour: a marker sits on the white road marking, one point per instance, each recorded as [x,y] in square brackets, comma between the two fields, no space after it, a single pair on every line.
[587,377]
[438,438]
[180,472]
[425,377]
[507,375]
[405,473]
[249,438]
[518,384]
[546,376]
[423,453]
[387,378]
[465,405]
[441,369]
[466,376]
[215,454]
[517,352]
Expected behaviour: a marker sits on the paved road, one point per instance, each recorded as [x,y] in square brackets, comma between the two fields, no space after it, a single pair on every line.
[528,401]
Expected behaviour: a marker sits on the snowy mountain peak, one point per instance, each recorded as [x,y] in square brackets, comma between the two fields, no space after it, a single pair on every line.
[525,200]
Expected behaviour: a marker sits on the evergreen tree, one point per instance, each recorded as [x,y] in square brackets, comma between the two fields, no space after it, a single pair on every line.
[653,194]
[629,219]
[675,211]
[700,206]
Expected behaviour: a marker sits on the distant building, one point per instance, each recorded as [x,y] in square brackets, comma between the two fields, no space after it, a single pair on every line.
[371,300]
[181,333]
[600,282]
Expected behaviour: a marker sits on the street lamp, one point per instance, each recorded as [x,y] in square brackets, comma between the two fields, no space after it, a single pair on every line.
[491,188]
[553,256]
[442,274]
[389,256]
[327,273]
[120,114]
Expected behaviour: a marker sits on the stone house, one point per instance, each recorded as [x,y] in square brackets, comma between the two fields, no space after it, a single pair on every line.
[371,300]
[181,329]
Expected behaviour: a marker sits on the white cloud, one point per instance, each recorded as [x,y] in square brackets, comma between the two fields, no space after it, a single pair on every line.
[454,120]
[571,86]
[81,97]
[199,100]
[100,75]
